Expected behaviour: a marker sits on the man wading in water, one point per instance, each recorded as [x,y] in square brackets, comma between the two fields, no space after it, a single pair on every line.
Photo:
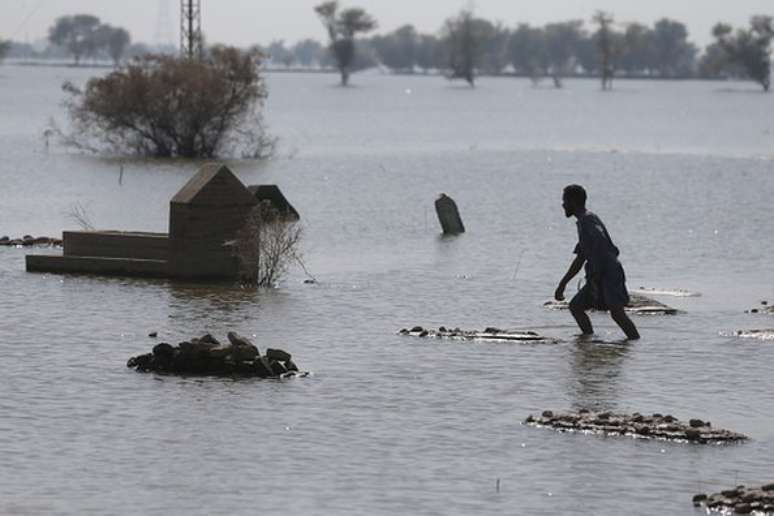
[605,287]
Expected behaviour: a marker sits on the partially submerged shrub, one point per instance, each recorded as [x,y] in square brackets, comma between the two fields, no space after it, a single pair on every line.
[164,106]
[266,246]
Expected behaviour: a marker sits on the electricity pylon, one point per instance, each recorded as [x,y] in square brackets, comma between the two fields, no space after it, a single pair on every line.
[191,29]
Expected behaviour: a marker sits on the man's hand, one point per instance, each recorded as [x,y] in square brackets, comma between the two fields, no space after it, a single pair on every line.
[559,294]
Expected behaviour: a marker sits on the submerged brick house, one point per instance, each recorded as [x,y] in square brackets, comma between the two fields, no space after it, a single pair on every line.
[203,216]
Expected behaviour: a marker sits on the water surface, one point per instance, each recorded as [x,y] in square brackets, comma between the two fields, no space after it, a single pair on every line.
[680,171]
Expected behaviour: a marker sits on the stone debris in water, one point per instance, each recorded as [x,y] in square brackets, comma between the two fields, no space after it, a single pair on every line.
[764,308]
[206,356]
[739,500]
[486,334]
[672,292]
[638,304]
[655,426]
[762,334]
[28,241]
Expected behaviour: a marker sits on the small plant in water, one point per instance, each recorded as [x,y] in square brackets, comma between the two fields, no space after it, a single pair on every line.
[80,216]
[266,246]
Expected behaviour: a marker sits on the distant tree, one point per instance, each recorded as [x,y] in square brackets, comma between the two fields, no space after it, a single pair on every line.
[610,45]
[75,33]
[528,53]
[113,40]
[398,50]
[749,49]
[278,54]
[307,52]
[166,106]
[638,53]
[135,50]
[494,54]
[561,42]
[117,43]
[5,47]
[365,56]
[715,64]
[428,53]
[342,28]
[672,52]
[587,55]
[466,39]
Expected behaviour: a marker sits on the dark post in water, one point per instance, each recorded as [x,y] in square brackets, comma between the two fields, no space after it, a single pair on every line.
[449,215]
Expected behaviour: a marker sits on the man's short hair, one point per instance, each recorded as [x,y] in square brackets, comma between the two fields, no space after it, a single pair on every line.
[576,193]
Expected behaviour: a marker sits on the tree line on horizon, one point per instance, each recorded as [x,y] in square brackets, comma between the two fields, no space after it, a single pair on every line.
[468,46]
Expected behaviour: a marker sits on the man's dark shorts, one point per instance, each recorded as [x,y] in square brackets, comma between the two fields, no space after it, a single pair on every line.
[609,290]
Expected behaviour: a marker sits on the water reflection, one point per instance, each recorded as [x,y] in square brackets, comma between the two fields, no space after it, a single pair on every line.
[596,371]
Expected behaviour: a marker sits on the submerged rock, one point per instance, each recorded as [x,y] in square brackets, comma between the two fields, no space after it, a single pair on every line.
[671,292]
[638,304]
[739,500]
[653,427]
[761,334]
[29,240]
[206,356]
[764,308]
[489,333]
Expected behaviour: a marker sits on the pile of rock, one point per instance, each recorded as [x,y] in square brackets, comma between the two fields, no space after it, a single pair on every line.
[672,292]
[29,240]
[638,304]
[636,425]
[764,308]
[206,356]
[487,334]
[762,334]
[740,500]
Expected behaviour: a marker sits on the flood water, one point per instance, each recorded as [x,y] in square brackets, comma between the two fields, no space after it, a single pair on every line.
[681,172]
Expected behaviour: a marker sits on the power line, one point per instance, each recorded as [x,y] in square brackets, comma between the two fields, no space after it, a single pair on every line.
[32,13]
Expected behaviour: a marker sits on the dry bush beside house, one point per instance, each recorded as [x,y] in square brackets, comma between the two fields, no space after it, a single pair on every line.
[266,246]
[163,106]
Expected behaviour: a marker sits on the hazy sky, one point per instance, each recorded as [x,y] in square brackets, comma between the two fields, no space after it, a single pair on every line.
[244,22]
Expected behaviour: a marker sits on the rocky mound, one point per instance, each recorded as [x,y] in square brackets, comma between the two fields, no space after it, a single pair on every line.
[740,500]
[638,304]
[206,356]
[487,334]
[29,240]
[635,425]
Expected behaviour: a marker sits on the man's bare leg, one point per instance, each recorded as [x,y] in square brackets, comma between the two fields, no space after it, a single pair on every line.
[622,320]
[583,321]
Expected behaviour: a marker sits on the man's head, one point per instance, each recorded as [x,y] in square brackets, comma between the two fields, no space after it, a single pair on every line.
[573,200]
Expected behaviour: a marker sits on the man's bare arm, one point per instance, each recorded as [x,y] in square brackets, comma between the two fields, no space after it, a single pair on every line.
[575,268]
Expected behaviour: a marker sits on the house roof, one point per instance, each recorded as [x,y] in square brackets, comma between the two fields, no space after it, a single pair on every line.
[215,185]
[274,195]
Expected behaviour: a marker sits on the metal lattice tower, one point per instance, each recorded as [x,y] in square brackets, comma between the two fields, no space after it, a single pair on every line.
[191,29]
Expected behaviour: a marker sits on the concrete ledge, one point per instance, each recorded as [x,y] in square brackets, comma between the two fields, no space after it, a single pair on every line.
[117,244]
[97,265]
